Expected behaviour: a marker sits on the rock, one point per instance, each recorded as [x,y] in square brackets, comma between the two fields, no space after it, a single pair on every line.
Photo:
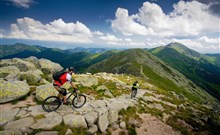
[181,107]
[112,116]
[5,71]
[91,118]
[36,110]
[74,121]
[98,103]
[52,120]
[19,63]
[33,60]
[44,91]
[122,125]
[134,123]
[87,80]
[47,133]
[117,105]
[101,87]
[20,124]
[10,132]
[102,122]
[12,90]
[13,77]
[69,132]
[44,81]
[92,130]
[49,67]
[31,76]
[108,93]
[7,115]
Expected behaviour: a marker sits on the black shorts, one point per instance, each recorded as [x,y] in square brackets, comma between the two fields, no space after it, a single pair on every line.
[62,91]
[134,88]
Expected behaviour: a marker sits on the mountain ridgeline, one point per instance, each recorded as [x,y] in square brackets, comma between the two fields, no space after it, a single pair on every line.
[204,70]
[81,58]
[139,62]
[168,67]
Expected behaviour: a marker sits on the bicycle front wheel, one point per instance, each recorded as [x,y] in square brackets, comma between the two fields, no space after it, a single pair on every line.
[79,101]
[51,103]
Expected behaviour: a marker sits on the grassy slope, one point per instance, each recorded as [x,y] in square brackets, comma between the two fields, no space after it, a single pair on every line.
[198,68]
[140,63]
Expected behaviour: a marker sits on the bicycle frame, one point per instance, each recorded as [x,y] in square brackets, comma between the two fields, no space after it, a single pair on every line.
[74,92]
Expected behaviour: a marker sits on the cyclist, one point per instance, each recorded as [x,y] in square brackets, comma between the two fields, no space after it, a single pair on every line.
[135,87]
[67,76]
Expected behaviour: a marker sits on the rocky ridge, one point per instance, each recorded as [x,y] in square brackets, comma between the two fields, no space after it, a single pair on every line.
[109,108]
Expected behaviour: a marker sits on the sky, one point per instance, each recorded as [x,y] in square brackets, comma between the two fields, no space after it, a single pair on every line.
[111,23]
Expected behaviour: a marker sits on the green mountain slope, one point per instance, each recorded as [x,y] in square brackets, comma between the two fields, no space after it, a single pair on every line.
[201,69]
[80,60]
[140,63]
[7,50]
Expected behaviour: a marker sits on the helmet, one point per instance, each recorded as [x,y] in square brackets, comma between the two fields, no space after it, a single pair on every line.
[71,69]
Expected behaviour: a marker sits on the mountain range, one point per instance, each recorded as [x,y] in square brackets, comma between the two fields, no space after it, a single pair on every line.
[173,67]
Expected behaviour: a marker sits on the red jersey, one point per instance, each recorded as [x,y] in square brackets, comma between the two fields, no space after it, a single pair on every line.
[63,79]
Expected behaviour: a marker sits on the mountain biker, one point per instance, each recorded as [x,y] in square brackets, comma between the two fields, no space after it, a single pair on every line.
[63,79]
[135,87]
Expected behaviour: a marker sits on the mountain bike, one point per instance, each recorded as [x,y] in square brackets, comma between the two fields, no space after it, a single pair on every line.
[52,103]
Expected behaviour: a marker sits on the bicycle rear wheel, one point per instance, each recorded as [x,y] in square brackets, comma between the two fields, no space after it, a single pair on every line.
[51,103]
[133,93]
[79,100]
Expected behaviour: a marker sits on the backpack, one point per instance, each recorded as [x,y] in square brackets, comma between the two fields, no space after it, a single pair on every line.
[56,76]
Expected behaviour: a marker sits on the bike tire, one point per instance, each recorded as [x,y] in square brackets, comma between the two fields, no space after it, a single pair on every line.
[51,103]
[133,93]
[75,102]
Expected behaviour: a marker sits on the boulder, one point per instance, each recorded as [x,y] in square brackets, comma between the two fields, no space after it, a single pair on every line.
[52,120]
[91,118]
[5,71]
[92,130]
[31,76]
[22,65]
[112,116]
[69,132]
[102,122]
[47,133]
[117,105]
[10,132]
[101,87]
[20,124]
[48,66]
[74,121]
[122,125]
[36,110]
[87,80]
[33,60]
[7,115]
[44,91]
[13,77]
[12,90]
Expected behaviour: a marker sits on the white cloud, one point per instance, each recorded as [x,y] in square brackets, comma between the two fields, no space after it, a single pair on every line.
[187,19]
[110,38]
[127,25]
[22,3]
[98,33]
[58,30]
[190,23]
[203,45]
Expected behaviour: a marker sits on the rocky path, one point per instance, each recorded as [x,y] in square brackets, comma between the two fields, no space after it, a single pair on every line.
[94,115]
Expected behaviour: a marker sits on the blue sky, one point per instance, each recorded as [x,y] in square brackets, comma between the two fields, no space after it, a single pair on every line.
[111,23]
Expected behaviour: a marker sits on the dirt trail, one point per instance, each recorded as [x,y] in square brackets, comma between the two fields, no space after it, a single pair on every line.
[153,126]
